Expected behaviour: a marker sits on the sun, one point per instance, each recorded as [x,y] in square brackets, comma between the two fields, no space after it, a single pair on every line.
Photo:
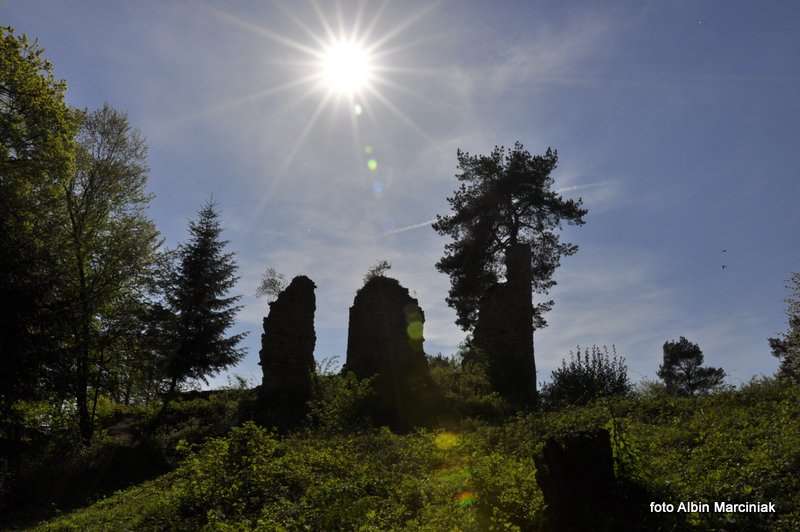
[351,60]
[346,67]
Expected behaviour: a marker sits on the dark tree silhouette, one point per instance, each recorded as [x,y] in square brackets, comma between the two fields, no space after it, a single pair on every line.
[203,313]
[681,370]
[787,346]
[37,131]
[504,198]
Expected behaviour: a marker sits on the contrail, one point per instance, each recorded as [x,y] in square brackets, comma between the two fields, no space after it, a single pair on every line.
[429,222]
[581,187]
[408,228]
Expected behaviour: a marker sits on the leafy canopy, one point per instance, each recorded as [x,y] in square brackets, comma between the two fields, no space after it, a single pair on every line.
[111,249]
[504,198]
[37,131]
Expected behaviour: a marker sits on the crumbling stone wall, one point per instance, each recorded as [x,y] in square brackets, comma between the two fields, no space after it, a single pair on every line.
[287,353]
[504,332]
[385,341]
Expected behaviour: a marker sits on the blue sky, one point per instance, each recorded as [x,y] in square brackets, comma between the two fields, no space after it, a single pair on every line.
[675,121]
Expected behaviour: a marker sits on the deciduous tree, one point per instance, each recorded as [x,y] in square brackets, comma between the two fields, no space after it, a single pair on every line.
[111,244]
[37,131]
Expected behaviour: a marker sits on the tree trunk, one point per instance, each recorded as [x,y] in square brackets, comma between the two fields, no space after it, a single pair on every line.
[85,418]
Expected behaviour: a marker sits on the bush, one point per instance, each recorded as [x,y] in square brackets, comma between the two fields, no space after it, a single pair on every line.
[590,374]
[341,402]
[466,388]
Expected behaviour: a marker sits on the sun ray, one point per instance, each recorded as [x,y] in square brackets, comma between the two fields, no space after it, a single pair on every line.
[259,30]
[358,18]
[306,130]
[380,80]
[323,21]
[180,121]
[374,22]
[297,22]
[408,45]
[340,20]
[391,34]
[398,113]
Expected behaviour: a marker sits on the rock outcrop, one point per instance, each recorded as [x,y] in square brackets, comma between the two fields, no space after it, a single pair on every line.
[504,332]
[287,353]
[384,341]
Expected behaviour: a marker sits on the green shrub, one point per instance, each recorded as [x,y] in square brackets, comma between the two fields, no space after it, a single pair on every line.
[341,402]
[466,388]
[736,445]
[588,375]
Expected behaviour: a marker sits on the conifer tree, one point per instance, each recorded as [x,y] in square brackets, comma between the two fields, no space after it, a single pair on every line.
[203,311]
[682,372]
[503,199]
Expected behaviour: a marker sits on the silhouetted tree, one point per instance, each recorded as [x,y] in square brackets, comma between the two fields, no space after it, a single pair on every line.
[504,198]
[37,132]
[203,313]
[787,346]
[681,370]
[272,283]
[111,244]
[589,374]
[378,269]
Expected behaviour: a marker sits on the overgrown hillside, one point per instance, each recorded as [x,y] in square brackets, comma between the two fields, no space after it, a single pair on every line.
[736,446]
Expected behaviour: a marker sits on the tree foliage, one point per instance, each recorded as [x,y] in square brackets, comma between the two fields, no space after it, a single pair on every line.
[786,347]
[378,269]
[111,247]
[272,283]
[589,374]
[203,310]
[681,370]
[503,198]
[37,154]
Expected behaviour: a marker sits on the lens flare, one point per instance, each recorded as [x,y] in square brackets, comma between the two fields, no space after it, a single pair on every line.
[414,330]
[446,440]
[466,499]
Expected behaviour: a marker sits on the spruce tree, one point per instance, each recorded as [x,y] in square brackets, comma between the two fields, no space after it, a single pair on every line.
[203,311]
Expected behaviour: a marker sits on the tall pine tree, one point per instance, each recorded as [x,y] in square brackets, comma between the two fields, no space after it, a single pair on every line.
[202,310]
